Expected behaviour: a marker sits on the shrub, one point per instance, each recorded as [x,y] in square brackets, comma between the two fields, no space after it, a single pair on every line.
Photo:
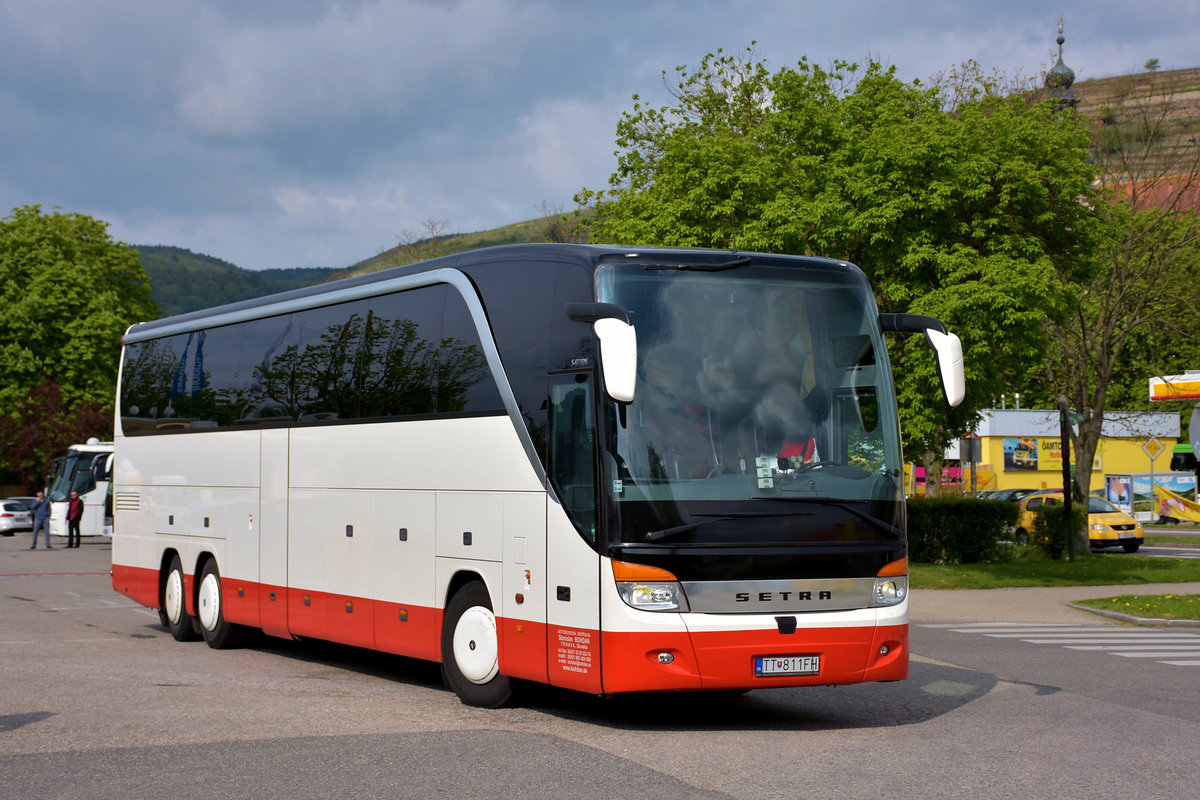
[957,529]
[1048,523]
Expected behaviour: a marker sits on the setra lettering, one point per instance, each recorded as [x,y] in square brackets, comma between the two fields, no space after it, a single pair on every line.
[782,597]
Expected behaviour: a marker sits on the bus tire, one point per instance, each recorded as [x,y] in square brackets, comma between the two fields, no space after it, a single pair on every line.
[470,649]
[210,609]
[174,604]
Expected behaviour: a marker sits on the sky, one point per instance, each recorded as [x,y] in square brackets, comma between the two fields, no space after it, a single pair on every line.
[313,133]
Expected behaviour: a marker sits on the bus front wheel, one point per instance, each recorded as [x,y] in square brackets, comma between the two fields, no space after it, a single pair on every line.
[470,649]
[210,610]
[174,610]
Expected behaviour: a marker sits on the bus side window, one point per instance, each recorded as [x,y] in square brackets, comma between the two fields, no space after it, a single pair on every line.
[100,468]
[573,449]
[84,482]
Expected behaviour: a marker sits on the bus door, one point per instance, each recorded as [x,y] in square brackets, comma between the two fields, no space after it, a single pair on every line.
[95,502]
[271,526]
[573,566]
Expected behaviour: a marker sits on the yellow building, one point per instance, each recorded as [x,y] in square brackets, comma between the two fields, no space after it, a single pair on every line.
[1021,449]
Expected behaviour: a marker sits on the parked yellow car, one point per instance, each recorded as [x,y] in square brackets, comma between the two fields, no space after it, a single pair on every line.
[1108,526]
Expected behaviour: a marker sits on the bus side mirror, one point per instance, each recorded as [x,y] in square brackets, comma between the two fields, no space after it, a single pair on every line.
[945,344]
[618,357]
[618,345]
[950,364]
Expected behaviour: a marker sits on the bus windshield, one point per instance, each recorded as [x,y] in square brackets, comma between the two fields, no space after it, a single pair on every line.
[754,383]
[73,473]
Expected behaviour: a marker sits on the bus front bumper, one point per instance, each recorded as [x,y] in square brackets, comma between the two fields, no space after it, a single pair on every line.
[699,659]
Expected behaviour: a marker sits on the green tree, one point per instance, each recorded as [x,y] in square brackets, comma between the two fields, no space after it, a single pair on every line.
[965,208]
[68,292]
[42,427]
[1133,312]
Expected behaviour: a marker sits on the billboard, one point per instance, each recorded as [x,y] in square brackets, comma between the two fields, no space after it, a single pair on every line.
[1021,454]
[1038,455]
[1174,494]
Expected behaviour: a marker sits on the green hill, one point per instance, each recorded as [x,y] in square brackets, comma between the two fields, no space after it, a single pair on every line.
[181,280]
[1160,108]
[550,228]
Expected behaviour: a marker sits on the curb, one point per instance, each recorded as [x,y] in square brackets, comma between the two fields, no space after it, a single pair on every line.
[1135,620]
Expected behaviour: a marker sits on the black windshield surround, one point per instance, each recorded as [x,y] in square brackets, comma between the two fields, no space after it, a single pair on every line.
[762,442]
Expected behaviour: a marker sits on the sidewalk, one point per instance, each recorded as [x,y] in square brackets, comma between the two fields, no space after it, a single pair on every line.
[1027,605]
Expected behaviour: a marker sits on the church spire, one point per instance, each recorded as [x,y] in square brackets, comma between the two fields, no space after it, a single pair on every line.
[1060,77]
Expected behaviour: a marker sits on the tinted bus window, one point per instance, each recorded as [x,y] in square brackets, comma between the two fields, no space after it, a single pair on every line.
[413,353]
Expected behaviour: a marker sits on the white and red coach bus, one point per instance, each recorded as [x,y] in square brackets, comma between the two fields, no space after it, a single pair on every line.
[607,469]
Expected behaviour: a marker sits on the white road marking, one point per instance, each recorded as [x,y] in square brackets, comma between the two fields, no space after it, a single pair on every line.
[1166,647]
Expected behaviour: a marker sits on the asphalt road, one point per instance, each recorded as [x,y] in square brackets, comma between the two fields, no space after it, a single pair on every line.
[1186,536]
[97,701]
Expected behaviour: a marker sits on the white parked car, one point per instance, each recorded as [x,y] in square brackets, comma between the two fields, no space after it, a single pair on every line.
[15,516]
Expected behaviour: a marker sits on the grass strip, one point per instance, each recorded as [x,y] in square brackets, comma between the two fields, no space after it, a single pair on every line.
[1031,569]
[1149,606]
[1173,541]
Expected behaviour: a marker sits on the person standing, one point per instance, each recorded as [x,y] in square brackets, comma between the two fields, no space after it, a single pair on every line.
[74,517]
[41,519]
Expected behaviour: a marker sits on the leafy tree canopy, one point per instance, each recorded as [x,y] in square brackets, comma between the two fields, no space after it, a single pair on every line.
[968,214]
[68,292]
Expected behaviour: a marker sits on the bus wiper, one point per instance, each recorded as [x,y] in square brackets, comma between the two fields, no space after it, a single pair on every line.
[883,525]
[732,263]
[654,536]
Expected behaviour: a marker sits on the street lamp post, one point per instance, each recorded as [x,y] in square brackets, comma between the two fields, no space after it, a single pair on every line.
[1064,425]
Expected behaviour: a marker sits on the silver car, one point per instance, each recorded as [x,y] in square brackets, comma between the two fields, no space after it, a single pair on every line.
[15,516]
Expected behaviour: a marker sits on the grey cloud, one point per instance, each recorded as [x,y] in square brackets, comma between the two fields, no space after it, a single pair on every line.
[312,132]
[369,60]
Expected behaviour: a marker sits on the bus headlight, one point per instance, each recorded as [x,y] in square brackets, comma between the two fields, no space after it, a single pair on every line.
[652,596]
[891,584]
[648,588]
[889,591]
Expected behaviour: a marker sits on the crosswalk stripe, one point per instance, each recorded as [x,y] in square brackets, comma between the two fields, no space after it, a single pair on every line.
[1142,646]
[1184,654]
[1003,625]
[1107,639]
[1067,637]
[1175,648]
[1033,631]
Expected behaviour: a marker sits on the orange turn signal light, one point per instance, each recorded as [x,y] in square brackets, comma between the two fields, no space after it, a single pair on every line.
[623,571]
[897,568]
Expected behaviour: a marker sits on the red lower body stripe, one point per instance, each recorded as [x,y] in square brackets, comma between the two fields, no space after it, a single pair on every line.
[582,659]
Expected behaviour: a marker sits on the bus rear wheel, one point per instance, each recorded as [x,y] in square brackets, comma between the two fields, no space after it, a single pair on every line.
[471,650]
[210,610]
[174,610]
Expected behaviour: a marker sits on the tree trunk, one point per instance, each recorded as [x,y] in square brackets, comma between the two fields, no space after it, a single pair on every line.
[1086,442]
[933,474]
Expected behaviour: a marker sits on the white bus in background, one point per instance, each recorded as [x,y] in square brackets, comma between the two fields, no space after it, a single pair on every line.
[605,469]
[86,468]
